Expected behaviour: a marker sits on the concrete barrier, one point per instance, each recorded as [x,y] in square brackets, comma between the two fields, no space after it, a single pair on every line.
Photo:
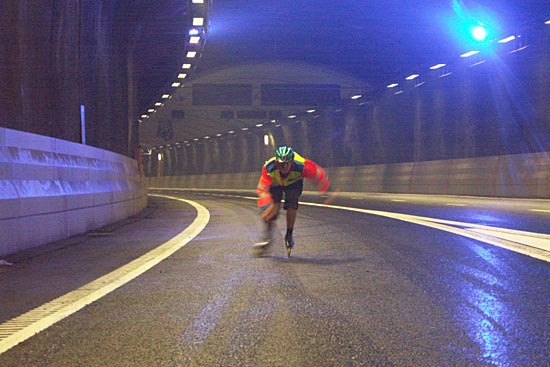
[511,176]
[51,189]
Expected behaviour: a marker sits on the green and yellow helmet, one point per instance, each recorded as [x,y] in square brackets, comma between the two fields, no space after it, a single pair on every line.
[284,154]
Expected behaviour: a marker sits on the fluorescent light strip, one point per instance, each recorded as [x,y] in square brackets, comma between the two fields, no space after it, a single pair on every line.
[478,63]
[468,54]
[437,66]
[507,39]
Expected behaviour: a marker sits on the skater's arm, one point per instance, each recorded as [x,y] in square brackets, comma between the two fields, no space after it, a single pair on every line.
[262,190]
[318,175]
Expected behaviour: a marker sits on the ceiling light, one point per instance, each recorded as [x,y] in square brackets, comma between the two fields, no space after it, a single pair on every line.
[176,84]
[479,33]
[165,96]
[158,104]
[198,22]
[412,76]
[194,39]
[437,66]
[507,39]
[186,66]
[357,96]
[310,111]
[547,22]
[182,76]
[144,116]
[519,49]
[191,54]
[393,85]
[291,116]
[468,54]
[478,63]
[151,110]
[198,1]
[194,32]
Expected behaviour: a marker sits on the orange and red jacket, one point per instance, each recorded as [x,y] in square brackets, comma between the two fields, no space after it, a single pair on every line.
[301,168]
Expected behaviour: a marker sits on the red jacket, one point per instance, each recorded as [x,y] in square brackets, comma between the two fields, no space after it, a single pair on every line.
[301,168]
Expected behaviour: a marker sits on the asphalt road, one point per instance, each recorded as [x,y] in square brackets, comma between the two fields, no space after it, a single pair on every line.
[360,289]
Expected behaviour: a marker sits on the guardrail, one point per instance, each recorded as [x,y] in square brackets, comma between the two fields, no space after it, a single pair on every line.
[51,189]
[511,176]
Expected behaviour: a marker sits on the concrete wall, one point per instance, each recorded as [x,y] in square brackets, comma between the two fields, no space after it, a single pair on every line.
[51,189]
[512,176]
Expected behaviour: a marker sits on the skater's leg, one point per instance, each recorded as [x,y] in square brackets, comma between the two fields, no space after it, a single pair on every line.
[291,217]
[267,231]
[292,196]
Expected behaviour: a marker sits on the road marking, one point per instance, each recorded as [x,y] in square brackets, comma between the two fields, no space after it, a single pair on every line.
[540,210]
[21,328]
[532,244]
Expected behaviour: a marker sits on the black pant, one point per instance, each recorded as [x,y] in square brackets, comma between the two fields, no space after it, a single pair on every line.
[292,194]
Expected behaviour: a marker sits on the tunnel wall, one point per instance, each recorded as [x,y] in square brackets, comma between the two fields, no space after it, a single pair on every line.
[510,176]
[51,189]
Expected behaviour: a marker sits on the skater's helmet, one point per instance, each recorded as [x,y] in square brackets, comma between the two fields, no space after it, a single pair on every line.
[284,154]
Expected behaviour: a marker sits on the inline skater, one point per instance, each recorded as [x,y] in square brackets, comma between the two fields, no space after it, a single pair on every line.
[284,174]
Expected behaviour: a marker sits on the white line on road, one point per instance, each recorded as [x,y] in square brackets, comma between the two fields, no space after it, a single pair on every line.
[21,328]
[532,244]
[540,210]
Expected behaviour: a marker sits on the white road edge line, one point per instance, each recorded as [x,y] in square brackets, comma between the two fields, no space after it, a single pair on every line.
[532,244]
[21,328]
[540,210]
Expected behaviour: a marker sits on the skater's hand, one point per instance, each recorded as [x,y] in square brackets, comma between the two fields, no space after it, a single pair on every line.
[330,199]
[270,212]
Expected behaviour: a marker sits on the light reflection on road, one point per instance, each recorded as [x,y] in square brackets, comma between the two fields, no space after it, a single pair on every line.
[486,317]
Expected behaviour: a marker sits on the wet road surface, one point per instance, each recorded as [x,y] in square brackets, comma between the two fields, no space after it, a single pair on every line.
[359,290]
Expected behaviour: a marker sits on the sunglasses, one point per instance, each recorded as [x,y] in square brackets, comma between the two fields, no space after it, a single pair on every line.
[284,164]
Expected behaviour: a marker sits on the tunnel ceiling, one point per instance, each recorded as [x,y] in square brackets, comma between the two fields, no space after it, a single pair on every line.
[379,42]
